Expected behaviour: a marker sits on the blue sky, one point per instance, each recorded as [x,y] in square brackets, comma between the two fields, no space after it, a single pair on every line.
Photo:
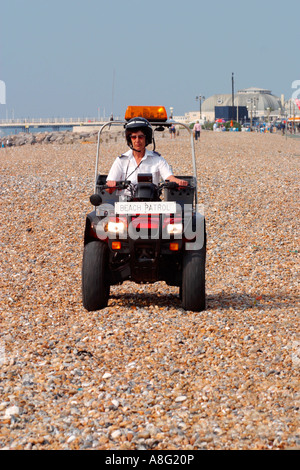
[68,58]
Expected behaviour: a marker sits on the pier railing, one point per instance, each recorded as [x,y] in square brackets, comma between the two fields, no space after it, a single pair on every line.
[55,121]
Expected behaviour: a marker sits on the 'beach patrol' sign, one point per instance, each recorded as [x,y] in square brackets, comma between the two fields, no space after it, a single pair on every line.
[142,207]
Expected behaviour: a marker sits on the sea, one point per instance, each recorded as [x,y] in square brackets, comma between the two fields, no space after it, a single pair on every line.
[14,130]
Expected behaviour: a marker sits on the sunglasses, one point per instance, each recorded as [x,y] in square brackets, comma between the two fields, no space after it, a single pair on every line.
[140,137]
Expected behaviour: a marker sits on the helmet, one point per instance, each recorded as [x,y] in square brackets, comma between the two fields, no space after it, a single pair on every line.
[138,124]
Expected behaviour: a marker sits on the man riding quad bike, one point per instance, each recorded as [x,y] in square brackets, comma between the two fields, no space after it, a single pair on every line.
[143,229]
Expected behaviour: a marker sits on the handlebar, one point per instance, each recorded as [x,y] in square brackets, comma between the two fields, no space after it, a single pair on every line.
[172,185]
[119,185]
[125,184]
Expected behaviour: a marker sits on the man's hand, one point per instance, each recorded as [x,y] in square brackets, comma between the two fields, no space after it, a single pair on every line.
[112,186]
[177,180]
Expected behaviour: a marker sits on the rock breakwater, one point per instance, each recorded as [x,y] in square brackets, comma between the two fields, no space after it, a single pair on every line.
[57,137]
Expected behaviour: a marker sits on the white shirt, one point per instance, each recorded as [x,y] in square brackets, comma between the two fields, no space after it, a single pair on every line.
[125,167]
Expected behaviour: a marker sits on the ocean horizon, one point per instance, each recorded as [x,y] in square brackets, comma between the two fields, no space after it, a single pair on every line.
[14,130]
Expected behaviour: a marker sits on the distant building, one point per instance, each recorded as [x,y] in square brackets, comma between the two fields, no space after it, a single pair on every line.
[260,103]
[291,109]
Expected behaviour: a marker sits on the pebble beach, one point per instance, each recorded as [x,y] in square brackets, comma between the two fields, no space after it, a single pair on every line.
[144,374]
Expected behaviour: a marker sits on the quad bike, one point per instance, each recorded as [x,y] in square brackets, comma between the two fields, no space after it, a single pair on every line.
[144,233]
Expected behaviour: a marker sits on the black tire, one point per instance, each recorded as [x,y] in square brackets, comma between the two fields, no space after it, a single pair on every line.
[193,281]
[95,285]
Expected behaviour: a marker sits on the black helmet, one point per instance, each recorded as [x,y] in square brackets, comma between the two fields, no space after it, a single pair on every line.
[138,124]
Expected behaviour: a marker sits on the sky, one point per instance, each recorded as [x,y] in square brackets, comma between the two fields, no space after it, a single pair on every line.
[71,58]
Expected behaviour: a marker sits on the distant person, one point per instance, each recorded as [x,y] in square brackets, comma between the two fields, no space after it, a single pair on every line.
[172,131]
[197,128]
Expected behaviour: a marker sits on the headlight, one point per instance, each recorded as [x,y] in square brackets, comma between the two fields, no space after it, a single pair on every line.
[174,229]
[115,227]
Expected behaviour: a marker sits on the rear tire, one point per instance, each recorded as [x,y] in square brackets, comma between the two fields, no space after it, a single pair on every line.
[95,284]
[193,281]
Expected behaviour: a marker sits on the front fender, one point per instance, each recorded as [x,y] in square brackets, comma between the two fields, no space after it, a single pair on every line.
[89,232]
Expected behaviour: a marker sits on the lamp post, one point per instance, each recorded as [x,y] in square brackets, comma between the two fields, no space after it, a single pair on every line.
[232,96]
[251,113]
[200,98]
[253,109]
[255,101]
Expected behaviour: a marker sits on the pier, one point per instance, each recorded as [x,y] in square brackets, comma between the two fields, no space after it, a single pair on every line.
[15,126]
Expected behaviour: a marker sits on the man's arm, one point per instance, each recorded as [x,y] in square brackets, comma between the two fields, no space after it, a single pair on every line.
[166,173]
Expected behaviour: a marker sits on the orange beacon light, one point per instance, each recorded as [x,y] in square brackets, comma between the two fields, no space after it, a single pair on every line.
[151,113]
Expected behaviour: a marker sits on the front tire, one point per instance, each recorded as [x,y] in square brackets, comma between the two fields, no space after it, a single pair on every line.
[193,281]
[95,284]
